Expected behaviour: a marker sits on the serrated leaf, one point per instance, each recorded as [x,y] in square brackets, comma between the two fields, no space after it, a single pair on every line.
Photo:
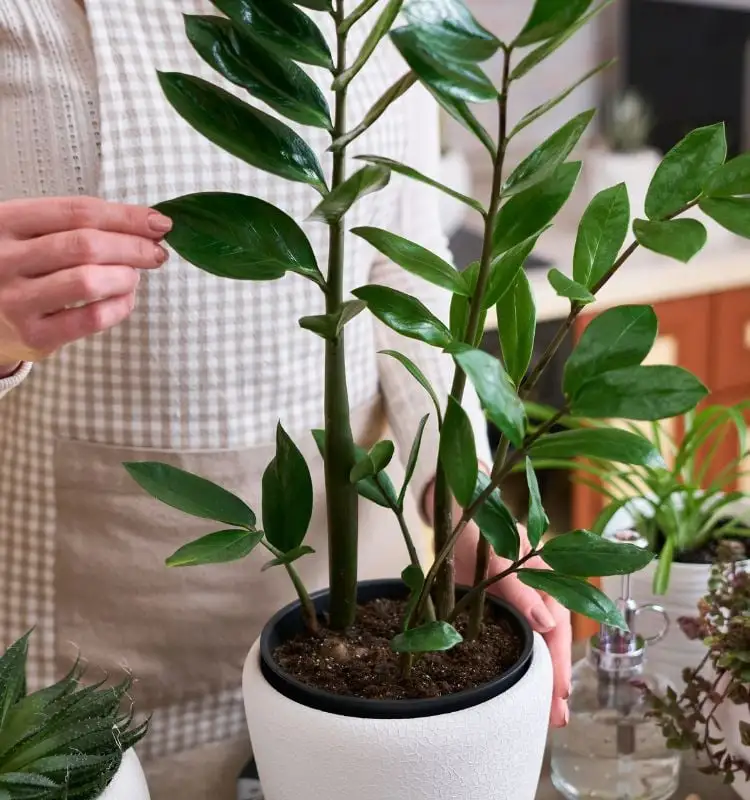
[287,495]
[457,452]
[414,259]
[732,178]
[678,238]
[504,269]
[601,235]
[239,237]
[342,197]
[732,213]
[549,18]
[575,594]
[538,521]
[242,130]
[13,676]
[404,314]
[565,287]
[430,638]
[497,393]
[585,555]
[420,377]
[216,548]
[281,27]
[685,169]
[411,463]
[610,444]
[495,522]
[329,326]
[275,80]
[530,211]
[619,337]
[190,493]
[288,558]
[516,327]
[545,158]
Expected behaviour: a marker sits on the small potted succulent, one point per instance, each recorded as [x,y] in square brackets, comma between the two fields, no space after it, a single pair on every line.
[711,715]
[66,741]
[345,682]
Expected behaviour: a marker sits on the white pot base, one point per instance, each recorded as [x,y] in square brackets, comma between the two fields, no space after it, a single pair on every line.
[129,783]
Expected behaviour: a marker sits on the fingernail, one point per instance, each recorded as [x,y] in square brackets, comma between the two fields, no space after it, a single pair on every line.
[543,621]
[160,254]
[568,692]
[159,223]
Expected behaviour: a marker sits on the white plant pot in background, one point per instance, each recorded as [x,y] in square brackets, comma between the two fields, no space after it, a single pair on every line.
[455,173]
[129,783]
[492,751]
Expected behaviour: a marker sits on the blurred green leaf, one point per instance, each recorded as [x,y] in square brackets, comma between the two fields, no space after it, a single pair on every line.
[190,493]
[413,577]
[216,548]
[288,558]
[404,314]
[287,495]
[549,18]
[732,178]
[586,555]
[430,638]
[372,463]
[495,522]
[685,169]
[619,337]
[342,197]
[458,454]
[460,111]
[411,463]
[678,238]
[420,377]
[565,287]
[538,521]
[506,267]
[275,80]
[516,326]
[732,213]
[239,237]
[601,235]
[329,326]
[611,444]
[242,130]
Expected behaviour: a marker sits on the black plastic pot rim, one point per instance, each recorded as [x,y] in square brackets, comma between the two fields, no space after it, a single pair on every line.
[288,622]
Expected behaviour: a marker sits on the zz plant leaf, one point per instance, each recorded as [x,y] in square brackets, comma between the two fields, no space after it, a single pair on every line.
[458,453]
[216,548]
[678,238]
[585,555]
[430,638]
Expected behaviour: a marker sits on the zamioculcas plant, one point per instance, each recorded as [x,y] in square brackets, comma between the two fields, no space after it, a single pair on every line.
[262,46]
[65,742]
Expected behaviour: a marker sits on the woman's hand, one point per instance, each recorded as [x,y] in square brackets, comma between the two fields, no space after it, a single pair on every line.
[69,268]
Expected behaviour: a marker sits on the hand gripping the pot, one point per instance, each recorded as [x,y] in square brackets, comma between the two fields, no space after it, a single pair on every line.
[69,268]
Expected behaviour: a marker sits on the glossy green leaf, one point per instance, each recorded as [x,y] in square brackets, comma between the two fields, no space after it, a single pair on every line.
[685,169]
[497,393]
[550,46]
[506,267]
[242,130]
[342,197]
[411,463]
[432,637]
[462,81]
[533,209]
[288,558]
[413,577]
[677,238]
[611,444]
[548,105]
[516,327]
[495,522]
[275,80]
[280,27]
[565,287]
[640,393]
[420,377]
[287,495]
[458,453]
[404,314]
[372,463]
[549,18]
[216,548]
[585,555]
[403,169]
[619,337]
[548,156]
[190,493]
[460,111]
[239,237]
[601,235]
[380,29]
[730,179]
[732,213]
[459,308]
[329,326]
[575,594]
[414,258]
[538,521]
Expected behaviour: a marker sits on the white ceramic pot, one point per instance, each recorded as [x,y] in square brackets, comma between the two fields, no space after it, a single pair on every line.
[728,716]
[129,783]
[490,751]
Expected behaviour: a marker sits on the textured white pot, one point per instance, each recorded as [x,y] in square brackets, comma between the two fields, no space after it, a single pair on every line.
[493,751]
[728,716]
[129,783]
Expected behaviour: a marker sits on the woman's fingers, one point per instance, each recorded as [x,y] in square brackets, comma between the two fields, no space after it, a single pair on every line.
[76,286]
[559,641]
[527,600]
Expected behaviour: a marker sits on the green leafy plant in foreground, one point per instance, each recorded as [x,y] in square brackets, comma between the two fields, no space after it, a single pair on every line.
[64,742]
[262,46]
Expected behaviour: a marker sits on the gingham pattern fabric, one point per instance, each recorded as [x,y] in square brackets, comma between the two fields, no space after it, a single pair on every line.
[202,363]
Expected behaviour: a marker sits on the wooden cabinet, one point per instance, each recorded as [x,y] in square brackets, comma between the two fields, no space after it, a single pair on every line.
[710,336]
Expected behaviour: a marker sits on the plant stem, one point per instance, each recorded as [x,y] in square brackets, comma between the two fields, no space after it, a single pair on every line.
[341,494]
[444,577]
[308,607]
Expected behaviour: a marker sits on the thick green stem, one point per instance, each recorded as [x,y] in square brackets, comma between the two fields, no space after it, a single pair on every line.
[308,607]
[341,494]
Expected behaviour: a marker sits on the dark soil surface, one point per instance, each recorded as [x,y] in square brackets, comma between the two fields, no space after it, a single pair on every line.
[708,553]
[362,664]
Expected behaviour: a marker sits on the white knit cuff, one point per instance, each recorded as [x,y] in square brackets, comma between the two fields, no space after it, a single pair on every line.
[6,384]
